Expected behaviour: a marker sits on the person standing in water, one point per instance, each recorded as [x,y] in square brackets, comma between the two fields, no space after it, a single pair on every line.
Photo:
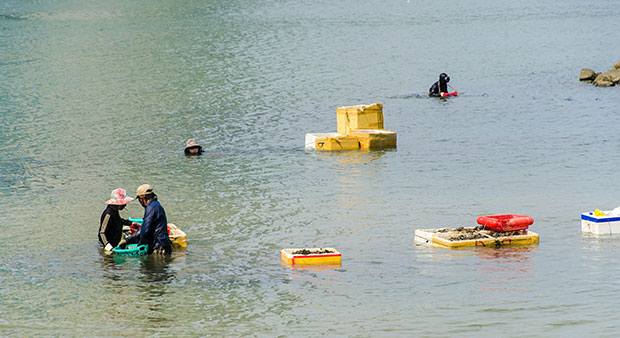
[111,224]
[440,86]
[154,229]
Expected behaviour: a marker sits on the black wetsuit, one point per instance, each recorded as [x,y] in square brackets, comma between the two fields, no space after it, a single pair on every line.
[200,151]
[438,87]
[111,227]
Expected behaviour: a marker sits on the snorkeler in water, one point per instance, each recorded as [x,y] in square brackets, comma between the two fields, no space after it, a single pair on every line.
[439,87]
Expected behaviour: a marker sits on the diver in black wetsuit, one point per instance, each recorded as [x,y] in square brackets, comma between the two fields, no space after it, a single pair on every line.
[440,86]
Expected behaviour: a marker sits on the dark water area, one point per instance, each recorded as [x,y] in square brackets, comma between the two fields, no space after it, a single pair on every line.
[98,95]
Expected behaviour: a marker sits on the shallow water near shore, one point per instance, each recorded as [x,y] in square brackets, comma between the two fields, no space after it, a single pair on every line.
[101,95]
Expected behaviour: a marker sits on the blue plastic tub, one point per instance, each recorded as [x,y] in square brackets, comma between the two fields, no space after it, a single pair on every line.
[132,250]
[137,220]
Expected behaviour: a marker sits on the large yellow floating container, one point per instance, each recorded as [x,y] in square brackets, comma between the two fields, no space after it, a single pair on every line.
[359,117]
[312,256]
[359,127]
[373,139]
[452,238]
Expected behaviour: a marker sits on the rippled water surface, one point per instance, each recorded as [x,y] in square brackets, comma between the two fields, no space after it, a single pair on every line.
[97,95]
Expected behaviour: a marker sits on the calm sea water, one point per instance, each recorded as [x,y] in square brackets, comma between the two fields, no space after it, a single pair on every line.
[97,95]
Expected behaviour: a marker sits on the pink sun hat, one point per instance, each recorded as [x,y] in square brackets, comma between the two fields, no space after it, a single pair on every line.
[119,197]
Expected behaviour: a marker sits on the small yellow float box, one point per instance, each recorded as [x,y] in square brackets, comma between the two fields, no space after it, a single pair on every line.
[177,236]
[359,117]
[473,237]
[312,256]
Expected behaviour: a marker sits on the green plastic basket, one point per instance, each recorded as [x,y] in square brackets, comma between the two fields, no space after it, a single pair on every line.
[132,250]
[137,220]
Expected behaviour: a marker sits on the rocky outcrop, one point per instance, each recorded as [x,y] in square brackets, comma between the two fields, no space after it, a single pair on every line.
[587,75]
[614,75]
[606,79]
[603,80]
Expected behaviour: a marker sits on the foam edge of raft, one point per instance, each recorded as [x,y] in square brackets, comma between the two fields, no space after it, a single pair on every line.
[310,256]
[432,237]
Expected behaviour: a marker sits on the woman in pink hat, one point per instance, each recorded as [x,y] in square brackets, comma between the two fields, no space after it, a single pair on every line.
[111,224]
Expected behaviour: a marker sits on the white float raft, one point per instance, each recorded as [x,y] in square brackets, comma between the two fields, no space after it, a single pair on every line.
[600,225]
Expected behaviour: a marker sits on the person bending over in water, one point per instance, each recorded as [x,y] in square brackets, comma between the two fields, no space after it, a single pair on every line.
[440,86]
[111,224]
[154,229]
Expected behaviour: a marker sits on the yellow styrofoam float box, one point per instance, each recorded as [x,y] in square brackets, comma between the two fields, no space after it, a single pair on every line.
[338,143]
[373,139]
[472,237]
[359,117]
[312,137]
[177,236]
[331,141]
[600,224]
[312,256]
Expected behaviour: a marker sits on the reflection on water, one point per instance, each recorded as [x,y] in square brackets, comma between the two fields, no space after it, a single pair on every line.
[111,265]
[350,158]
[593,243]
[507,253]
[150,268]
[505,268]
[493,269]
[323,275]
[156,268]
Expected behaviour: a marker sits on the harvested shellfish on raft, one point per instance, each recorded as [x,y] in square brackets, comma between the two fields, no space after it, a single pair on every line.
[310,256]
[473,236]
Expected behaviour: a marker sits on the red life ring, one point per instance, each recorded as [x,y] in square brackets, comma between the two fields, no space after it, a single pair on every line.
[504,223]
